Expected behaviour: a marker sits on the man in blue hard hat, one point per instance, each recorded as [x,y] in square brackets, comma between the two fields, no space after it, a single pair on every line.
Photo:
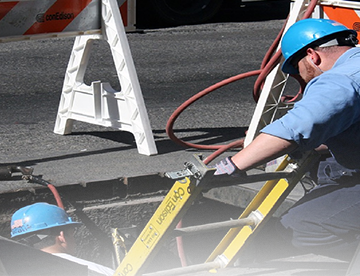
[326,220]
[48,227]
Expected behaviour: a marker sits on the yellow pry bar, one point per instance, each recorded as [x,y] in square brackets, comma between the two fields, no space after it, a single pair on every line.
[168,214]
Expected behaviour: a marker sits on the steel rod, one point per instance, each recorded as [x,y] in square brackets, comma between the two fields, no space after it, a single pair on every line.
[213,226]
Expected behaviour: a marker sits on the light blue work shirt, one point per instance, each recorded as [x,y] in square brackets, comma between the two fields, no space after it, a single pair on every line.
[328,113]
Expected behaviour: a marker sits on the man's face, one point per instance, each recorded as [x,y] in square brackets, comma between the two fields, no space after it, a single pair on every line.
[306,70]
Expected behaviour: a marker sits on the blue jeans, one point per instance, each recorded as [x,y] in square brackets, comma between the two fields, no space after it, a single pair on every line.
[327,219]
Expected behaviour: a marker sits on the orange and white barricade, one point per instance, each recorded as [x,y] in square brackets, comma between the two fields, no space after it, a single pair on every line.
[128,14]
[345,12]
[88,20]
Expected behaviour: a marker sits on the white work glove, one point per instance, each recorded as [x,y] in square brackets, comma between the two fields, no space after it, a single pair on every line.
[226,166]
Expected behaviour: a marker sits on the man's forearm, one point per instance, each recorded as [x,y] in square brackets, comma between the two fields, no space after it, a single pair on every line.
[264,148]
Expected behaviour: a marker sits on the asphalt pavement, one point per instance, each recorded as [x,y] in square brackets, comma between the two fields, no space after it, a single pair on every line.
[172,65]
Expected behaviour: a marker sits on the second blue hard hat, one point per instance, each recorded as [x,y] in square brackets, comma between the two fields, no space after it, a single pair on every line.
[37,217]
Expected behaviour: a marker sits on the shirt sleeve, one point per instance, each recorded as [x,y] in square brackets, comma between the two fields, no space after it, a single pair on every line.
[330,105]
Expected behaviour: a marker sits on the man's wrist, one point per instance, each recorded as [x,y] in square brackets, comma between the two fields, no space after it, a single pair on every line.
[227,166]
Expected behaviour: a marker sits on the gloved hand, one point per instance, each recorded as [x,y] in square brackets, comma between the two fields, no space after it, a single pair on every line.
[226,166]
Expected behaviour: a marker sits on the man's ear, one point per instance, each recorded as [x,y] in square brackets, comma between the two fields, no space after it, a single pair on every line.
[314,56]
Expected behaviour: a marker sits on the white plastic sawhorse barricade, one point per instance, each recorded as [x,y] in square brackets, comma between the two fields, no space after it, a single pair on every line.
[88,20]
[99,104]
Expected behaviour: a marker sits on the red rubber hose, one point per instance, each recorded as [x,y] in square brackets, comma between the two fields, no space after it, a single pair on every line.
[270,60]
[181,108]
[56,195]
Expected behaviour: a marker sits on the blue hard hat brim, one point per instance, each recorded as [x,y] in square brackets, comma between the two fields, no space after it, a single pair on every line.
[72,223]
[288,68]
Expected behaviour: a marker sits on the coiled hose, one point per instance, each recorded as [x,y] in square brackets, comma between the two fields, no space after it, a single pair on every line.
[270,60]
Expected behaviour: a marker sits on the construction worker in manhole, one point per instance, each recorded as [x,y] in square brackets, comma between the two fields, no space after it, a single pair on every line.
[326,219]
[49,228]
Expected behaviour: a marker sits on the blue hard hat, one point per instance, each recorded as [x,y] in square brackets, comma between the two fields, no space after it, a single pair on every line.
[311,32]
[39,216]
